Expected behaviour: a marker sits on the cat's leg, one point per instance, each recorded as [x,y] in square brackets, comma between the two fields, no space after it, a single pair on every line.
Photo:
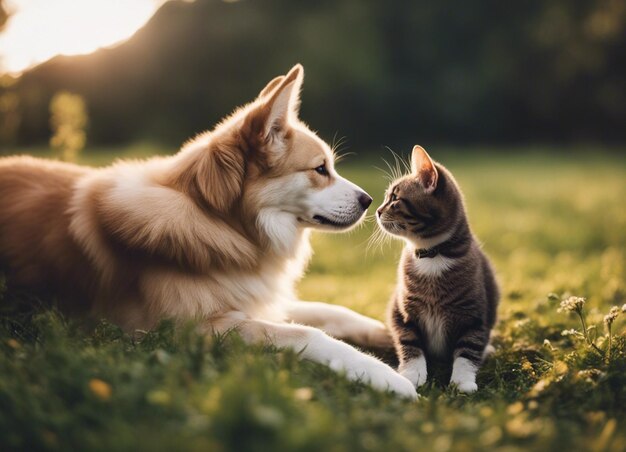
[315,345]
[340,322]
[408,340]
[489,350]
[469,353]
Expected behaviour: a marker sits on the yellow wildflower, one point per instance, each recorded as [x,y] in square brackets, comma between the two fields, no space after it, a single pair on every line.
[101,389]
[515,408]
[303,394]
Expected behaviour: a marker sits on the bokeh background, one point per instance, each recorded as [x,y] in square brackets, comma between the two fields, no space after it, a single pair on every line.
[379,74]
[525,102]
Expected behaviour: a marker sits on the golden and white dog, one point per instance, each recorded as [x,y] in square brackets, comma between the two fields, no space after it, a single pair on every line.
[218,232]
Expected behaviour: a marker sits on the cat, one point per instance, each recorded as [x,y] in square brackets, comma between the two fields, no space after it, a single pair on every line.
[445,302]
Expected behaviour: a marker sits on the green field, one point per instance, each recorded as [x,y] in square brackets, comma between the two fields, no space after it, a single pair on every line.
[554,224]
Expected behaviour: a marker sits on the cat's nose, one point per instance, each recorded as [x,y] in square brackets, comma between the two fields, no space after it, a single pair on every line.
[365,200]
[379,211]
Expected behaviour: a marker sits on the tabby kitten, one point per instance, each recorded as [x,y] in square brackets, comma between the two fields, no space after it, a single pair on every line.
[445,302]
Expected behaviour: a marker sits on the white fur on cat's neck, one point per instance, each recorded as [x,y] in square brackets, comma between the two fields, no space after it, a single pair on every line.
[431,266]
[429,242]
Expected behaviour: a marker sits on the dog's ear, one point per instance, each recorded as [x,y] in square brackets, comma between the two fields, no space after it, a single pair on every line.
[212,173]
[424,168]
[271,85]
[268,121]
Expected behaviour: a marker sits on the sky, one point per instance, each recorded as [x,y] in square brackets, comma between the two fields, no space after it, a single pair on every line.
[40,29]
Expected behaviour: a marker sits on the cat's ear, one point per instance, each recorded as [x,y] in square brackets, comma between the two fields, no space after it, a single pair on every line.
[424,168]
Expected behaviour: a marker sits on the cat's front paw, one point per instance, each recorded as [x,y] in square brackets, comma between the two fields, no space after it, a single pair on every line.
[415,371]
[464,375]
[466,386]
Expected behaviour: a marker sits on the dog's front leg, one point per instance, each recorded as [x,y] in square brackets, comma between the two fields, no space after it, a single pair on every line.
[340,322]
[317,346]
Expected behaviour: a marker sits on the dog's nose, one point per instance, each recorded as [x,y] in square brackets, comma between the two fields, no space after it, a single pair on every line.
[365,200]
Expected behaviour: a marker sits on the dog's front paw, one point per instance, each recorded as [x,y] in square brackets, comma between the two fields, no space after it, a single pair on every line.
[388,379]
[377,374]
[415,371]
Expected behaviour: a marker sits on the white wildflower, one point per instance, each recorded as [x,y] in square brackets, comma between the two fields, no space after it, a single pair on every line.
[624,308]
[611,316]
[572,304]
[590,375]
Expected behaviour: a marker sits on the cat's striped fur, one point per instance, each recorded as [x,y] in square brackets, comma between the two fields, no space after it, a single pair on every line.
[445,302]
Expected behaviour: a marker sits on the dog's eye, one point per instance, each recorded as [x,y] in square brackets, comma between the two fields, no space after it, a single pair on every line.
[321,170]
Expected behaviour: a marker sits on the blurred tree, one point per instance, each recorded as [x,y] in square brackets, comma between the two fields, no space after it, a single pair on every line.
[9,100]
[380,73]
[9,111]
[68,119]
[3,15]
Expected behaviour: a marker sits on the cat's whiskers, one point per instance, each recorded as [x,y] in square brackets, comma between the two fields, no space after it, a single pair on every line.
[369,218]
[398,169]
[401,165]
[371,241]
[390,223]
[376,240]
[387,175]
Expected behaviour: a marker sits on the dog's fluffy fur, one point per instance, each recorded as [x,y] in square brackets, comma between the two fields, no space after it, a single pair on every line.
[217,232]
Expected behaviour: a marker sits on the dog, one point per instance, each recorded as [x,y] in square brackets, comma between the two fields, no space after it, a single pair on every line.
[217,233]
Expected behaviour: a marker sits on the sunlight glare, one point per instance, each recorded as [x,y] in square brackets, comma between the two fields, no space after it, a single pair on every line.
[41,29]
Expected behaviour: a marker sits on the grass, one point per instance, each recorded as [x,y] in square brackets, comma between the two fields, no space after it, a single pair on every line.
[554,225]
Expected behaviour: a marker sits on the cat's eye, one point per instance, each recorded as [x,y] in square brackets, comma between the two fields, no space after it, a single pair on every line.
[321,170]
[393,197]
